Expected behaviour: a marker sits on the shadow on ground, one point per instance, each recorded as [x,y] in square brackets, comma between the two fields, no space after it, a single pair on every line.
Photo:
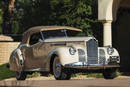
[126,73]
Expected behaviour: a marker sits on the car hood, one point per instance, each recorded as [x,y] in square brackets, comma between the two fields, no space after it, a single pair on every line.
[66,39]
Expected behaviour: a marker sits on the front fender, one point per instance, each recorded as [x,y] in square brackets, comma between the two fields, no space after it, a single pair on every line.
[106,55]
[64,56]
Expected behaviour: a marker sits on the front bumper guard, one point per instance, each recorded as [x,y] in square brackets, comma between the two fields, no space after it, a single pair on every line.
[84,65]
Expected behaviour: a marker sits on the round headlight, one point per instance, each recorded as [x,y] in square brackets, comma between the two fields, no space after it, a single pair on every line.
[72,50]
[110,50]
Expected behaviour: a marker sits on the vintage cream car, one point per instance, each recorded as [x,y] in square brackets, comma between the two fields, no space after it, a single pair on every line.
[54,49]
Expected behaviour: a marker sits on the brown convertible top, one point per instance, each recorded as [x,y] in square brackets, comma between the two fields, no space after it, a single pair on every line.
[36,29]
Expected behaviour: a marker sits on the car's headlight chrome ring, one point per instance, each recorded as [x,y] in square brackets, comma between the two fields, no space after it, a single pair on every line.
[110,50]
[72,50]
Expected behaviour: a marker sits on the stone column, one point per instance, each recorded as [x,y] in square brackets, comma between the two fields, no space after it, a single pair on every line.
[107,33]
[107,10]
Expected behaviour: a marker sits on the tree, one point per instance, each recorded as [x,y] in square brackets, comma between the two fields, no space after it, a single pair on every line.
[29,13]
[82,14]
[0,20]
[8,16]
[76,13]
[1,13]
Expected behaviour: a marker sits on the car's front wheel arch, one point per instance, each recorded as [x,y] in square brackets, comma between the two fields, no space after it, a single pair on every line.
[59,72]
[51,62]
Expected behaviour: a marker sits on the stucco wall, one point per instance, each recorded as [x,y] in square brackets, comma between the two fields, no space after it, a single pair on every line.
[5,50]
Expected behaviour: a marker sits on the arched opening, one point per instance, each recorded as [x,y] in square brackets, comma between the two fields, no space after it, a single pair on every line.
[121,37]
[118,12]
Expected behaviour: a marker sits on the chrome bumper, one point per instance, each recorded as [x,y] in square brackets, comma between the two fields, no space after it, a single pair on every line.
[84,65]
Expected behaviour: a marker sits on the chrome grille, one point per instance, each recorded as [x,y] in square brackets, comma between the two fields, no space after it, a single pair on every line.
[102,57]
[81,54]
[92,51]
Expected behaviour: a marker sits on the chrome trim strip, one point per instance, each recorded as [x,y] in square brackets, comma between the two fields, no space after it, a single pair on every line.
[84,65]
[37,69]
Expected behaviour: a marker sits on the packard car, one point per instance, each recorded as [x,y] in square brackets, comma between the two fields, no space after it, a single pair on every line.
[57,50]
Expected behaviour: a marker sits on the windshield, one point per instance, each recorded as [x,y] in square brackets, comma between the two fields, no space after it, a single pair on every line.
[58,33]
[53,34]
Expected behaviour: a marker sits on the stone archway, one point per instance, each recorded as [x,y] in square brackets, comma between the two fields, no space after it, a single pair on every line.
[107,10]
[121,34]
[107,14]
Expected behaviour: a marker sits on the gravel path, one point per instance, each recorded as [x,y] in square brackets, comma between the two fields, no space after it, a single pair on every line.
[41,82]
[80,77]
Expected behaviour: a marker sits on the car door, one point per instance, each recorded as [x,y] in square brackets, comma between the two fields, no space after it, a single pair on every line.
[33,54]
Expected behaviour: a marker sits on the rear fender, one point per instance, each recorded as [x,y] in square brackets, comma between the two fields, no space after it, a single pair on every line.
[16,60]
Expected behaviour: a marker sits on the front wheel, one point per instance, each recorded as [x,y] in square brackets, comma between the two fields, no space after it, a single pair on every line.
[21,75]
[58,70]
[109,73]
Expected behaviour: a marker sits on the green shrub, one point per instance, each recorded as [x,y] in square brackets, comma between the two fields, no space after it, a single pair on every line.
[96,75]
[118,74]
[35,74]
[77,74]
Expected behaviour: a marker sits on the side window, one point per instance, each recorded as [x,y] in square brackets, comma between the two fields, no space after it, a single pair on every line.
[35,38]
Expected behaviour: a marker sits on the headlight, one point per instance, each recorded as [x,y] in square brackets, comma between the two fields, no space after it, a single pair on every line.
[72,50]
[110,50]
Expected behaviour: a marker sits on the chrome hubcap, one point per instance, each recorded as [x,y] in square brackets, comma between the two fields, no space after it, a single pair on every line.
[18,74]
[56,67]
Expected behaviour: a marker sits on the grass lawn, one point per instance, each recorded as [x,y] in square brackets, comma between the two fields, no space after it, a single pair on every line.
[5,72]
